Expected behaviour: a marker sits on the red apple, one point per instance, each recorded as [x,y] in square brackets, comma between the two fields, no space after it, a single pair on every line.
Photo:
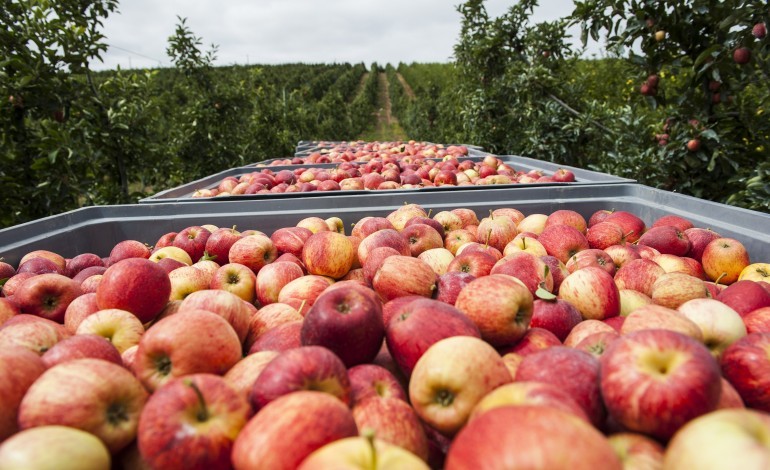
[758,321]
[637,451]
[272,278]
[225,304]
[639,275]
[724,259]
[59,447]
[236,279]
[279,338]
[253,251]
[673,289]
[137,285]
[392,421]
[699,238]
[220,241]
[20,368]
[32,332]
[302,292]
[666,239]
[649,317]
[633,227]
[383,238]
[529,394]
[374,381]
[242,375]
[746,365]
[567,217]
[562,241]
[47,295]
[557,316]
[591,257]
[593,292]
[79,263]
[399,276]
[745,296]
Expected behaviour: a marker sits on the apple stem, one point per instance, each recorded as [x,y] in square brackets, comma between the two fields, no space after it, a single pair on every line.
[489,235]
[720,278]
[491,215]
[430,211]
[301,306]
[368,434]
[203,413]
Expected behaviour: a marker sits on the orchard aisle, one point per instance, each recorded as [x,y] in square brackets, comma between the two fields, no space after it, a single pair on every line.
[386,127]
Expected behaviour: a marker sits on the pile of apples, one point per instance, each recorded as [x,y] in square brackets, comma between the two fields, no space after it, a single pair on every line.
[364,151]
[384,173]
[451,340]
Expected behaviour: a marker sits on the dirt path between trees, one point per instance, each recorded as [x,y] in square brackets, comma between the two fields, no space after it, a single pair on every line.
[407,89]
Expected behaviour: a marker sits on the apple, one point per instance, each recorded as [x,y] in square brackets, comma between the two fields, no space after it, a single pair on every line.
[286,431]
[721,325]
[383,238]
[673,289]
[32,332]
[272,278]
[724,259]
[55,258]
[758,321]
[128,249]
[637,451]
[253,251]
[530,437]
[534,223]
[88,272]
[451,377]
[630,300]
[745,364]
[328,254]
[14,282]
[362,452]
[497,231]
[422,237]
[8,309]
[54,447]
[186,280]
[667,239]
[121,328]
[393,421]
[567,217]
[556,315]
[302,292]
[438,259]
[529,394]
[654,316]
[77,264]
[93,395]
[593,292]
[476,263]
[347,321]
[188,342]
[699,238]
[449,220]
[563,241]
[242,375]
[633,227]
[191,422]
[225,304]
[622,254]
[591,257]
[303,368]
[420,324]
[279,338]
[39,265]
[137,285]
[172,252]
[467,216]
[374,381]
[457,238]
[499,305]
[742,55]
[81,346]
[680,378]
[527,268]
[47,295]
[401,216]
[368,225]
[290,239]
[730,397]
[745,296]
[236,279]
[604,234]
[639,275]
[20,368]
[576,372]
[399,276]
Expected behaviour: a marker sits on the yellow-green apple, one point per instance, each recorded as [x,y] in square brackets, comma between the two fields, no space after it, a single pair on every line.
[267,318]
[527,268]
[302,292]
[721,325]
[188,342]
[657,317]
[467,216]
[637,451]
[32,332]
[567,217]
[449,220]
[755,272]
[374,381]
[451,377]
[399,276]
[576,372]
[290,239]
[362,453]
[745,296]
[219,242]
[77,264]
[742,443]
[186,280]
[54,447]
[497,231]
[420,324]
[348,321]
[192,422]
[20,368]
[55,258]
[119,327]
[592,291]
[476,263]
[758,321]
[529,394]
[639,275]
[699,238]
[393,421]
[383,238]
[368,225]
[93,395]
[724,259]
[236,279]
[450,285]
[555,315]
[605,234]
[526,244]
[630,300]
[673,289]
[678,375]
[242,375]
[47,295]
[128,249]
[279,338]
[225,304]
[745,364]
[530,437]
[81,346]
[562,241]
[335,224]
[456,238]
[254,251]
[534,223]
[137,285]
[328,254]
[499,305]
[632,226]
[303,368]
[272,278]
[172,252]
[591,257]
[437,258]
[422,237]
[401,216]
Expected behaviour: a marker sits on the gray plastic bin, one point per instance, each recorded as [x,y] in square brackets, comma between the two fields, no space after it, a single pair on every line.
[98,229]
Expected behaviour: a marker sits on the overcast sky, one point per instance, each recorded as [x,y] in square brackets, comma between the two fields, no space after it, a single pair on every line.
[310,31]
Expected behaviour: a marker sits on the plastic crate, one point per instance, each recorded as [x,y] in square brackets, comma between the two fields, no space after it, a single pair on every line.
[184,192]
[98,229]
